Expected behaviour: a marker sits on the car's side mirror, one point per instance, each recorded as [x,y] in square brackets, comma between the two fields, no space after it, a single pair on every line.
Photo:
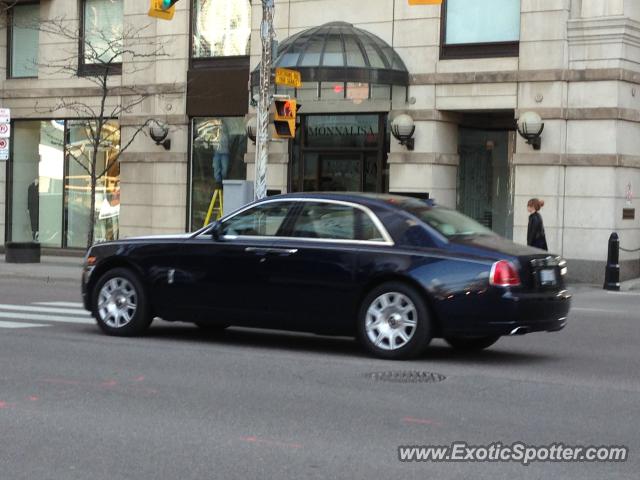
[216,231]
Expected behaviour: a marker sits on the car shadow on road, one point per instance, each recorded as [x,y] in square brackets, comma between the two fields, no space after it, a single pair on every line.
[337,346]
[492,356]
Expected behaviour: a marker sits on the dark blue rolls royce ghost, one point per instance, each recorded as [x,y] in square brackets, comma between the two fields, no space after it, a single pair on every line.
[391,270]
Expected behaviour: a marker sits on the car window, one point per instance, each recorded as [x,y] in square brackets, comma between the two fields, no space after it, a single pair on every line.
[263,220]
[450,223]
[336,222]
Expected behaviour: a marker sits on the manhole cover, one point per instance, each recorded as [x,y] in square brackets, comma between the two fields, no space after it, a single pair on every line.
[406,376]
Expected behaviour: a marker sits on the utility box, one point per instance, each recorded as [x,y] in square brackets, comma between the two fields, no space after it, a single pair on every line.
[236,194]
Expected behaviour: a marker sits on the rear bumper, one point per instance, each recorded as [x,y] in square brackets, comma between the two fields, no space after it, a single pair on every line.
[517,314]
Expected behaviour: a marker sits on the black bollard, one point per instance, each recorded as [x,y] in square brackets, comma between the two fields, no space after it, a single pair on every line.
[612,271]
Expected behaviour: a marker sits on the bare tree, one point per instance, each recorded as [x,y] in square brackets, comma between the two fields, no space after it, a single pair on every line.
[6,5]
[103,58]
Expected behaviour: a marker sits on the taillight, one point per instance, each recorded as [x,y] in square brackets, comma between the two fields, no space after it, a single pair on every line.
[504,274]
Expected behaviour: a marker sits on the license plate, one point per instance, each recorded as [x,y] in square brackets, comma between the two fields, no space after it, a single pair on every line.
[548,276]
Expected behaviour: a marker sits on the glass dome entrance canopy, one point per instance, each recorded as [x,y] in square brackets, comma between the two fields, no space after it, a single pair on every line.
[339,52]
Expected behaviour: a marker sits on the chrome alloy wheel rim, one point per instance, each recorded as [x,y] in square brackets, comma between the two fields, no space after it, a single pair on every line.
[391,321]
[117,302]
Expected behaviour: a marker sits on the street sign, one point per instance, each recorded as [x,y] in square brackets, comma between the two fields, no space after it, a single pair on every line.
[5,115]
[5,130]
[4,149]
[157,11]
[289,78]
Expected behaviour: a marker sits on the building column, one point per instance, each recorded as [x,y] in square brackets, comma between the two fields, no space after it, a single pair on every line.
[432,167]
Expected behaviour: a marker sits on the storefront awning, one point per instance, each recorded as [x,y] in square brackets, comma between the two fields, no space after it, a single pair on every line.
[340,52]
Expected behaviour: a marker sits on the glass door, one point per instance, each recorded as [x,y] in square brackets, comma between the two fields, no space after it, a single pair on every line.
[339,153]
[340,173]
[485,181]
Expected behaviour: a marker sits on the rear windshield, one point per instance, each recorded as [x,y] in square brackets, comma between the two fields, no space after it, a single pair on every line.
[448,222]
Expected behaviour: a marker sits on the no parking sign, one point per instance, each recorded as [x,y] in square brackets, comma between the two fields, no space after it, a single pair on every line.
[4,149]
[5,132]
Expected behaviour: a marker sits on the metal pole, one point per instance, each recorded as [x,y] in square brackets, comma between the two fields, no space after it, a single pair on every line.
[612,270]
[262,136]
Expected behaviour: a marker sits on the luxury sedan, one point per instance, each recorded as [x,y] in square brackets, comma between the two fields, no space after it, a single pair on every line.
[393,271]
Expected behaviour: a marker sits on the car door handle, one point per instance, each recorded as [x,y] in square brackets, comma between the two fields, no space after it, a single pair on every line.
[276,251]
[258,250]
[283,251]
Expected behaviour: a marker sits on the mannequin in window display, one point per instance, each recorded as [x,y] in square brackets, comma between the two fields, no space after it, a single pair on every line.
[221,156]
[33,206]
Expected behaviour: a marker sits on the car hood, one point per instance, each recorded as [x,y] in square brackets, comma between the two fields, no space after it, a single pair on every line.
[494,246]
[177,236]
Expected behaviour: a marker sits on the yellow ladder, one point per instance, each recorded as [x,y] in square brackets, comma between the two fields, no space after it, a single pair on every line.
[216,204]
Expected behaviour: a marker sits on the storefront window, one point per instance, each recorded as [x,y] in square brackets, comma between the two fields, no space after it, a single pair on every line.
[78,184]
[51,206]
[339,153]
[221,28]
[342,131]
[218,149]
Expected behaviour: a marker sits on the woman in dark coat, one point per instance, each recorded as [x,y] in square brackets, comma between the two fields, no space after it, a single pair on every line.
[535,231]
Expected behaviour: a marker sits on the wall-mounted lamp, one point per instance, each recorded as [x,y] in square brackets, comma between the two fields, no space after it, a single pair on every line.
[251,127]
[402,128]
[158,132]
[530,127]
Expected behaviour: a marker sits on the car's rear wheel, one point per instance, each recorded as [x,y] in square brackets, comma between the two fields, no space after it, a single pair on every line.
[471,344]
[120,304]
[394,321]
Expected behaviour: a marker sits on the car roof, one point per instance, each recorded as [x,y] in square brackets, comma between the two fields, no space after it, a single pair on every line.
[368,199]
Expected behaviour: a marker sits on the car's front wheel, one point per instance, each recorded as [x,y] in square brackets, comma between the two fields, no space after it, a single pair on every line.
[394,321]
[471,344]
[120,304]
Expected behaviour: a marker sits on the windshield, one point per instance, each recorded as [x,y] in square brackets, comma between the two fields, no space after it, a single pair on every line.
[448,222]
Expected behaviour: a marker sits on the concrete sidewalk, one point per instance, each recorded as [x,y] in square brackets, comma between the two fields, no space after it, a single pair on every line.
[50,268]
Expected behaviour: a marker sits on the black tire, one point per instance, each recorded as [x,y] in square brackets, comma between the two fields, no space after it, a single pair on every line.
[471,344]
[140,317]
[418,336]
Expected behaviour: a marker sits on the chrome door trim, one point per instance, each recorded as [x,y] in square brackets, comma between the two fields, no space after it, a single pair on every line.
[388,241]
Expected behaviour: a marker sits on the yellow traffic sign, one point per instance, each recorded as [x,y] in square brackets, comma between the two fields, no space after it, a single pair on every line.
[156,10]
[290,78]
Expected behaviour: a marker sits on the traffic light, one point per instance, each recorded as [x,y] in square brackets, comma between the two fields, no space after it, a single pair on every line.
[167,4]
[284,117]
[163,9]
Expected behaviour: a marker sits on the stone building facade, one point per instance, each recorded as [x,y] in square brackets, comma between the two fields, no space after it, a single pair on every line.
[465,75]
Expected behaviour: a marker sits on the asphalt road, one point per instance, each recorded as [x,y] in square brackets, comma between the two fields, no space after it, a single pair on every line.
[176,404]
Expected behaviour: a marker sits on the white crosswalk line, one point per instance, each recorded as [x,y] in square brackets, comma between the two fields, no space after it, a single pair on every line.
[25,308]
[46,318]
[4,324]
[60,304]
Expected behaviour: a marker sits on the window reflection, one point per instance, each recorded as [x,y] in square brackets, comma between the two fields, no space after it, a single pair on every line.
[221,28]
[103,29]
[470,21]
[51,185]
[78,183]
[24,40]
[218,149]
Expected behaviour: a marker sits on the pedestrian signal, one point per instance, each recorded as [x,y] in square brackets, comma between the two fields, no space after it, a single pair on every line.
[284,118]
